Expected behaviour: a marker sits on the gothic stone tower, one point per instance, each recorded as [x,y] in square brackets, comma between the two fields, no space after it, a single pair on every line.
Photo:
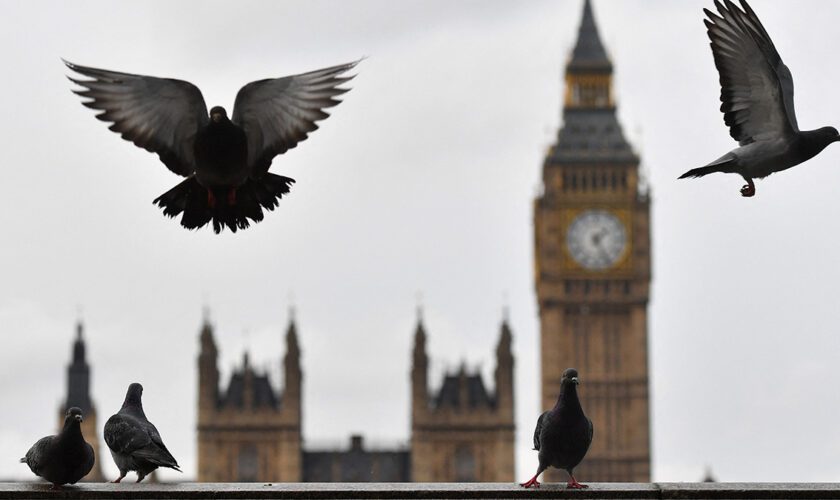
[249,432]
[78,394]
[462,433]
[592,231]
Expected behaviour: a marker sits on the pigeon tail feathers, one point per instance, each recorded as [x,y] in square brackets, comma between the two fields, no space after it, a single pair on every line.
[725,165]
[191,198]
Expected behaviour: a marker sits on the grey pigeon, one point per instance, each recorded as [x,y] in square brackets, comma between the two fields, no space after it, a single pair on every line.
[563,433]
[225,160]
[135,443]
[757,96]
[64,458]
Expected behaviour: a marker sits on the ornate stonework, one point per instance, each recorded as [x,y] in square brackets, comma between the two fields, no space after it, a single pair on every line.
[462,433]
[592,244]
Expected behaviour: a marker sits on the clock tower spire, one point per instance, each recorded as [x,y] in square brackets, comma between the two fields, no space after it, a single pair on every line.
[592,272]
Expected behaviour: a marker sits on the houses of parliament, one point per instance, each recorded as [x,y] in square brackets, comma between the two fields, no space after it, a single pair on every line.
[592,274]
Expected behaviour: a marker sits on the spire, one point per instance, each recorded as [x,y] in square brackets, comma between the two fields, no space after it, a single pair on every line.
[291,334]
[420,334]
[78,374]
[589,55]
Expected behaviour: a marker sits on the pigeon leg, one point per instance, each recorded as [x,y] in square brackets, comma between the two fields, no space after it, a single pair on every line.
[231,197]
[211,199]
[122,475]
[140,477]
[748,190]
[531,482]
[574,485]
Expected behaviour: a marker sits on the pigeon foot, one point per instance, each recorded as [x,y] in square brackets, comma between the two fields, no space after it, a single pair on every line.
[748,190]
[231,197]
[574,485]
[211,199]
[531,482]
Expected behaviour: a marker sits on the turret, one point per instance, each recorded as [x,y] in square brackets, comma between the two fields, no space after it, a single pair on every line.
[504,373]
[292,371]
[208,371]
[419,371]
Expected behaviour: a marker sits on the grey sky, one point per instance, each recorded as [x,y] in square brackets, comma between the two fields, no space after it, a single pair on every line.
[422,180]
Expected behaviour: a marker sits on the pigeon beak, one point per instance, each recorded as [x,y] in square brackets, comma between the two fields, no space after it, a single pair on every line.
[79,418]
[575,380]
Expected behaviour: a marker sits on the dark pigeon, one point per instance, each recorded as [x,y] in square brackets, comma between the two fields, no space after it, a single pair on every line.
[757,96]
[64,458]
[135,443]
[563,433]
[225,160]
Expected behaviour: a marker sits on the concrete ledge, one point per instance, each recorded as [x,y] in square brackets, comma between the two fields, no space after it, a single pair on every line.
[233,491]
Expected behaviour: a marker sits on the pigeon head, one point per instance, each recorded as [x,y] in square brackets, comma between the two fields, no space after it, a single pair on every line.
[827,135]
[73,414]
[570,378]
[218,114]
[134,396]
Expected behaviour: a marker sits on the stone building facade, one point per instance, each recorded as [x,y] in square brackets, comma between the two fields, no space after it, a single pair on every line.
[593,268]
[462,432]
[78,394]
[248,431]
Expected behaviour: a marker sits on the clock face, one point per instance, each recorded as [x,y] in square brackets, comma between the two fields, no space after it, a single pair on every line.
[596,239]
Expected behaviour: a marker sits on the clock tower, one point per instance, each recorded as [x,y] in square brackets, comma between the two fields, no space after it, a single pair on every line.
[592,245]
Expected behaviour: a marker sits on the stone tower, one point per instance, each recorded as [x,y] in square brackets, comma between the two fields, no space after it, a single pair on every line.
[78,394]
[463,433]
[593,270]
[249,432]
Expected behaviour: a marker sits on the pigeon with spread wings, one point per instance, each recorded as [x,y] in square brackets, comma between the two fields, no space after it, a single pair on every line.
[757,96]
[225,160]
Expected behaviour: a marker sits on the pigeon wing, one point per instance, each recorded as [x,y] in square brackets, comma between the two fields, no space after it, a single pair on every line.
[161,115]
[157,451]
[278,113]
[36,456]
[538,430]
[756,86]
[124,435]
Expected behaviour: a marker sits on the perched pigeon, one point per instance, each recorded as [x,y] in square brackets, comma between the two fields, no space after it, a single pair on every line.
[64,458]
[563,434]
[225,160]
[757,96]
[134,442]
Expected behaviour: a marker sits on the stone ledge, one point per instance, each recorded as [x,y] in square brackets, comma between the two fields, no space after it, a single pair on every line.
[237,491]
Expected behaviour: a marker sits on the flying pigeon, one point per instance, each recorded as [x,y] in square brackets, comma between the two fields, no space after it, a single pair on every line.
[225,160]
[135,443]
[64,458]
[563,434]
[757,96]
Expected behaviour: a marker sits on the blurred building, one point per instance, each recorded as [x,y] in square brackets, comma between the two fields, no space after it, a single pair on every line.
[593,267]
[462,432]
[250,432]
[78,394]
[357,464]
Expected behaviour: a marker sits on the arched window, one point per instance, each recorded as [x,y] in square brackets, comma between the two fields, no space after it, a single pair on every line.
[465,466]
[247,464]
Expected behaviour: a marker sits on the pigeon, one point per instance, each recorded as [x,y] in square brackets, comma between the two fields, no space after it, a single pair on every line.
[563,434]
[757,96]
[135,443]
[64,458]
[225,159]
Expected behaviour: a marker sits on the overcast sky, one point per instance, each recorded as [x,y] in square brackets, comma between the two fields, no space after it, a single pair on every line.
[421,181]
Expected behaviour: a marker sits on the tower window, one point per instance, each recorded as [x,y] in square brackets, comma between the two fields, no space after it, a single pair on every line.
[247,464]
[465,466]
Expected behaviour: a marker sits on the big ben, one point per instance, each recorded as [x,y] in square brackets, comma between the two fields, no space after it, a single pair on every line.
[592,266]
